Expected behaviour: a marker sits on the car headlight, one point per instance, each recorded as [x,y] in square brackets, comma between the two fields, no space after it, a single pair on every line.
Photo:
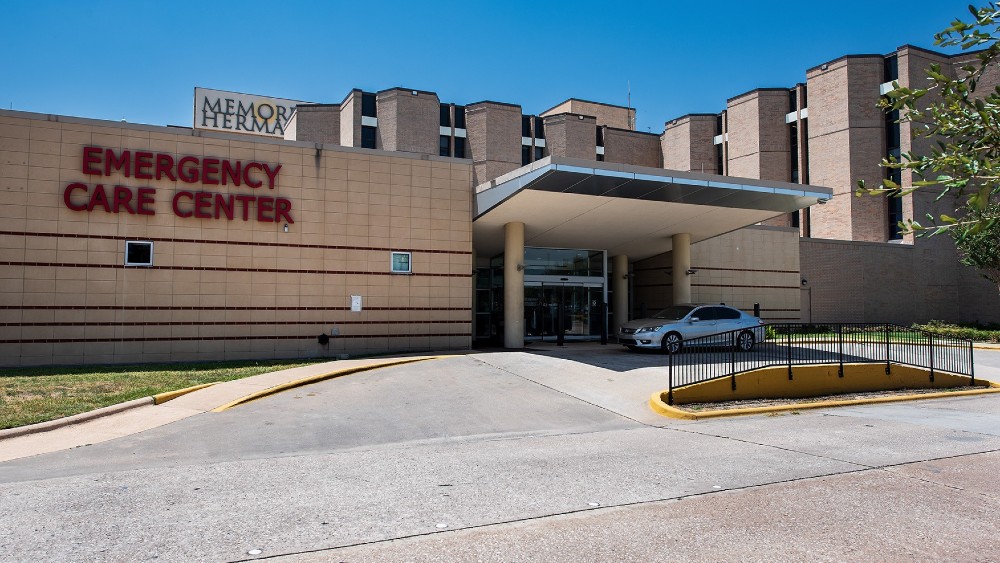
[648,329]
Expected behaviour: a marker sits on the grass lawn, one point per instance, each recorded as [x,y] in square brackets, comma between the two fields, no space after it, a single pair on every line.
[30,395]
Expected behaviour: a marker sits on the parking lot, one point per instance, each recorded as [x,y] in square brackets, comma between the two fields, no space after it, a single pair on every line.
[547,454]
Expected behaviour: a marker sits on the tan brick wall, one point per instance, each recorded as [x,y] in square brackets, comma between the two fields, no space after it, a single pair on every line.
[758,135]
[494,137]
[350,120]
[632,147]
[571,135]
[315,123]
[227,288]
[409,121]
[752,265]
[606,114]
[687,144]
[846,144]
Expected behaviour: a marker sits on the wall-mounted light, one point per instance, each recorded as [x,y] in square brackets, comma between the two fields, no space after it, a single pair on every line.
[823,67]
[690,272]
[805,281]
[286,227]
[822,201]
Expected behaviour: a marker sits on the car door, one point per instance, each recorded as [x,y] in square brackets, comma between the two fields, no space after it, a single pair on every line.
[705,324]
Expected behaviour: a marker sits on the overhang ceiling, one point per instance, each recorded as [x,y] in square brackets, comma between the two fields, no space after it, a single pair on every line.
[630,210]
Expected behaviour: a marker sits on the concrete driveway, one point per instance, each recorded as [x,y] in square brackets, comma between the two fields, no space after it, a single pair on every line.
[549,454]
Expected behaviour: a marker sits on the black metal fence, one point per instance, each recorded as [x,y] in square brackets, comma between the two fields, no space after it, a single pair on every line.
[791,344]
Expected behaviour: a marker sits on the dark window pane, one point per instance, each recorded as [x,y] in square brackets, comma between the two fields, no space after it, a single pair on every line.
[368,108]
[539,153]
[139,253]
[600,158]
[600,136]
[444,148]
[525,125]
[460,117]
[459,147]
[539,128]
[445,115]
[367,137]
[525,155]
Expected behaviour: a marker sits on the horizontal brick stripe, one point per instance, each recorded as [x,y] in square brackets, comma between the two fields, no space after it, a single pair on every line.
[235,323]
[670,269]
[722,285]
[205,338]
[232,243]
[222,269]
[218,308]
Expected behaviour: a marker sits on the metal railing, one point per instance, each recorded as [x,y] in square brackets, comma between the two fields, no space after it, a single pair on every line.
[791,344]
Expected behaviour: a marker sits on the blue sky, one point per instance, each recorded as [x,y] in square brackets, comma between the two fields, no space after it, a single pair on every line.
[141,60]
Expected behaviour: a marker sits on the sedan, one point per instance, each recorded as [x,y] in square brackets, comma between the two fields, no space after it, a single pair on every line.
[669,328]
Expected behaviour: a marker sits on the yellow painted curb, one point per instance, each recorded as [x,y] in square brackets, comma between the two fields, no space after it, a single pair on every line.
[660,407]
[171,395]
[318,378]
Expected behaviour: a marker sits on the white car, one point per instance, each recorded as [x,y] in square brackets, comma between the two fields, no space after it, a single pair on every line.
[668,329]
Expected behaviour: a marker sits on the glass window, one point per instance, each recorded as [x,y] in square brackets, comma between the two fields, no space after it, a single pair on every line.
[367,137]
[525,125]
[444,147]
[138,253]
[539,128]
[459,147]
[368,107]
[401,263]
[675,313]
[563,262]
[600,136]
[726,314]
[525,155]
[460,117]
[445,115]
[539,153]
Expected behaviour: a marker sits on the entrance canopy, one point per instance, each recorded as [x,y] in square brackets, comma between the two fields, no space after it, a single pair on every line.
[628,210]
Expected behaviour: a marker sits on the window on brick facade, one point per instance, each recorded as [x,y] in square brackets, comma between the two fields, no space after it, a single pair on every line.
[600,158]
[539,128]
[445,115]
[525,155]
[525,125]
[459,147]
[444,146]
[460,117]
[368,107]
[600,136]
[368,137]
[138,253]
[539,153]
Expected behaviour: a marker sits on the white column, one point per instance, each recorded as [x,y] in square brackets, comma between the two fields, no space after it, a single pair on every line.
[619,288]
[681,255]
[513,285]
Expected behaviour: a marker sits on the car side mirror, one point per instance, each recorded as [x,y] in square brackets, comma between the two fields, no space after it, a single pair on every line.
[694,320]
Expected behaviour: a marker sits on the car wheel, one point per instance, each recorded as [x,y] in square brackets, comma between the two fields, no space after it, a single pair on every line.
[745,341]
[671,343]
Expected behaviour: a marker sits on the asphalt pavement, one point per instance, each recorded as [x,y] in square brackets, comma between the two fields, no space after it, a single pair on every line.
[544,455]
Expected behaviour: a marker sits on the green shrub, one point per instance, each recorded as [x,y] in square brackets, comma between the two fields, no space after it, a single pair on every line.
[978,333]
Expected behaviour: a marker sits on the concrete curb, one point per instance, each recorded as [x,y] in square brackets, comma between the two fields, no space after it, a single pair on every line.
[660,407]
[98,413]
[317,378]
[74,419]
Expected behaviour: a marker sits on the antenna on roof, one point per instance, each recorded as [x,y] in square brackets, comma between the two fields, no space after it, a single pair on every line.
[629,107]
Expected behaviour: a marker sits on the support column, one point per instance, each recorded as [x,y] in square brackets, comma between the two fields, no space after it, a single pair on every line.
[619,288]
[513,285]
[681,255]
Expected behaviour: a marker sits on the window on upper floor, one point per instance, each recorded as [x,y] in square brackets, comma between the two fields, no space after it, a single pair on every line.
[459,147]
[445,115]
[368,106]
[525,125]
[525,155]
[460,117]
[539,128]
[368,137]
[444,146]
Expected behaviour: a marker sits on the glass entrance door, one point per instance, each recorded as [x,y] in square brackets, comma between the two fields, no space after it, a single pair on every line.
[553,307]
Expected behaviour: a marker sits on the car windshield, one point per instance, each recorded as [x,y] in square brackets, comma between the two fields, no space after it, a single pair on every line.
[674,313]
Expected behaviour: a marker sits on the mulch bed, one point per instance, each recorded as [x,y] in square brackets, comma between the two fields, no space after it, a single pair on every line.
[753,403]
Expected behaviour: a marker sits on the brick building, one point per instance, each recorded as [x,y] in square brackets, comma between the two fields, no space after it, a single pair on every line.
[395,221]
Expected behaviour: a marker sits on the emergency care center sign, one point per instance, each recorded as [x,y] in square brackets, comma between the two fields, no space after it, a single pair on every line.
[216,110]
